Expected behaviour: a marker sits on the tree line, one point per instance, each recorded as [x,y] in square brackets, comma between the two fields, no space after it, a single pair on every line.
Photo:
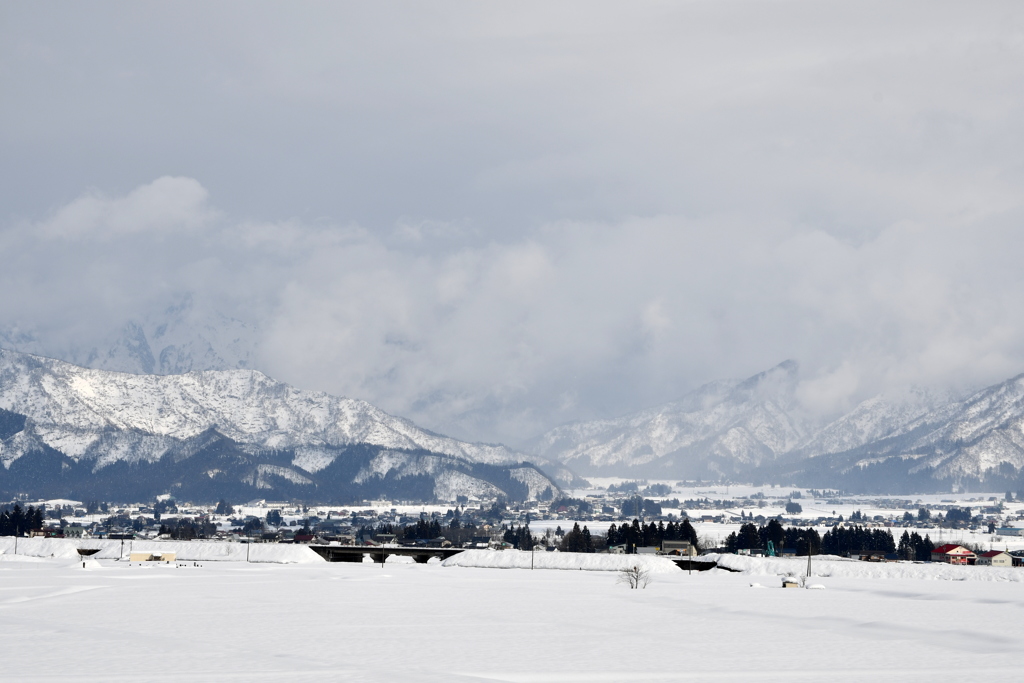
[839,540]
[187,529]
[18,522]
[520,538]
[752,537]
[455,531]
[913,547]
[651,534]
[855,539]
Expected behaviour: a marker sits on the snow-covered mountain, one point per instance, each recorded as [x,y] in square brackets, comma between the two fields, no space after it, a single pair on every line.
[876,418]
[971,443]
[94,419]
[718,430]
[755,429]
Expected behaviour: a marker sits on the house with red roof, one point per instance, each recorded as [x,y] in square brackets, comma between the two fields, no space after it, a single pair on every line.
[995,558]
[950,553]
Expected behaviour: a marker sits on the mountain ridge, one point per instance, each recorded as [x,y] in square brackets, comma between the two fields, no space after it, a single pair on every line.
[755,429]
[100,418]
[718,424]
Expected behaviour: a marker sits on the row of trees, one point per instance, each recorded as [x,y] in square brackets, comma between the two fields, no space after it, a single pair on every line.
[577,503]
[953,516]
[457,532]
[844,540]
[751,537]
[520,538]
[638,534]
[18,522]
[647,507]
[422,530]
[913,547]
[836,541]
[577,541]
[187,529]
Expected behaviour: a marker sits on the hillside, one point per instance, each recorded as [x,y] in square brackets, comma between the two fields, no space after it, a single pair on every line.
[80,426]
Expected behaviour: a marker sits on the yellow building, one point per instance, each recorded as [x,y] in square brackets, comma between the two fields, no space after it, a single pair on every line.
[149,556]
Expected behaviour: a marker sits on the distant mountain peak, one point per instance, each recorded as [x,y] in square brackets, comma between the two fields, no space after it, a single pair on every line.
[179,339]
[709,431]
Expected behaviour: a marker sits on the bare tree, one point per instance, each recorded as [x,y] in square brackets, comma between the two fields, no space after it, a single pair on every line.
[706,543]
[636,577]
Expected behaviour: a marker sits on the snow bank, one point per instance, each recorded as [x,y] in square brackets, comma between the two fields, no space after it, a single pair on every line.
[191,551]
[517,559]
[20,558]
[44,547]
[831,565]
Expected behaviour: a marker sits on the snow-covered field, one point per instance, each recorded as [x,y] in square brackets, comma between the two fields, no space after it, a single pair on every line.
[211,551]
[511,559]
[237,621]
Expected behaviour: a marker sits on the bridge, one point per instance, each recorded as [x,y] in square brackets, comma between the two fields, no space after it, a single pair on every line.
[379,553]
[694,565]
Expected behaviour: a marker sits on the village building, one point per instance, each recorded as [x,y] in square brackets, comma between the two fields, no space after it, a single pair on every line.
[149,556]
[684,548]
[995,558]
[950,553]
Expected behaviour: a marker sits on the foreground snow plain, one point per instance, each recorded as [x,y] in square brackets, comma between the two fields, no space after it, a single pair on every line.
[238,621]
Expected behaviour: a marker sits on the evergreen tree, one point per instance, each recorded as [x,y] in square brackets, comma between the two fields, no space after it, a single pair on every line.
[688,533]
[253,526]
[748,537]
[905,549]
[18,520]
[587,542]
[775,533]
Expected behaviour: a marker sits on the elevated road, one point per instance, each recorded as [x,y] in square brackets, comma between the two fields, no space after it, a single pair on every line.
[379,553]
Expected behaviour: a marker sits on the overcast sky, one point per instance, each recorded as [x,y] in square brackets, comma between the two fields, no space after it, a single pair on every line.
[494,219]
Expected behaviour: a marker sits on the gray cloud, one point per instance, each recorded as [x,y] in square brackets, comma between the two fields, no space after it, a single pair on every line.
[494,220]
